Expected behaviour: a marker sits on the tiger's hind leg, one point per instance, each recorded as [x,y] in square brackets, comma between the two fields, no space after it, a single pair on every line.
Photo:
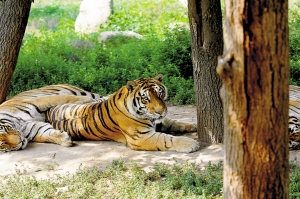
[46,102]
[44,132]
[168,125]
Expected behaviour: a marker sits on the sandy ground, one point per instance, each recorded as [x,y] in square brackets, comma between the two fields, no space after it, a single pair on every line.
[35,159]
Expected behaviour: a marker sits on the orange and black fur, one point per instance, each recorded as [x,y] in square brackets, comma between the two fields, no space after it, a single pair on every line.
[133,115]
[22,118]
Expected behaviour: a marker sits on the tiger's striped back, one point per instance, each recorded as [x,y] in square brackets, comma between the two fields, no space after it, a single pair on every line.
[128,116]
[61,89]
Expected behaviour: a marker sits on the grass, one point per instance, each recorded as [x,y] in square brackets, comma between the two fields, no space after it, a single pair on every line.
[121,181]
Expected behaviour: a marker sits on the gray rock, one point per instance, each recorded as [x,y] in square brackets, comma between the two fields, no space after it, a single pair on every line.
[92,14]
[109,34]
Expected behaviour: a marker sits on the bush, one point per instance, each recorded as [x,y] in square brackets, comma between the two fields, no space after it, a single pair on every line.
[294,24]
[56,54]
[53,53]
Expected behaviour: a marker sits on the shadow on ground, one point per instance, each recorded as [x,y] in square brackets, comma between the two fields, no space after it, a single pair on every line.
[45,159]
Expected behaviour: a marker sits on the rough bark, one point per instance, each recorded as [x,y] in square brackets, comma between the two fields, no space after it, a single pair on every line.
[254,69]
[205,18]
[13,20]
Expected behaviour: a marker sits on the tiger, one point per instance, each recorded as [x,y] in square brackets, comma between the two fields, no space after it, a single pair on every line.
[22,117]
[134,115]
[294,117]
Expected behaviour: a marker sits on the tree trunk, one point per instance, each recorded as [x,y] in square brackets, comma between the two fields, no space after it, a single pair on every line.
[205,18]
[254,69]
[13,20]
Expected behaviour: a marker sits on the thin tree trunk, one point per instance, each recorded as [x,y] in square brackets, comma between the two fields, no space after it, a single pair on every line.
[254,70]
[205,18]
[13,20]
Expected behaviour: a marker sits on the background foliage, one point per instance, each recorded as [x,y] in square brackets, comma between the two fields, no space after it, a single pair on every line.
[294,24]
[52,53]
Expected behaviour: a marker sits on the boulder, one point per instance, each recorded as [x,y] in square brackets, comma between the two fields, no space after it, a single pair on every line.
[92,14]
[109,34]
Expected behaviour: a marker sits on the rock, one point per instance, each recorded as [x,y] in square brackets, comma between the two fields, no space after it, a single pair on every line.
[109,34]
[92,14]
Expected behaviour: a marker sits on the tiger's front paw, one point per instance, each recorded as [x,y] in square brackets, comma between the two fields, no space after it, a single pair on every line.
[64,139]
[185,145]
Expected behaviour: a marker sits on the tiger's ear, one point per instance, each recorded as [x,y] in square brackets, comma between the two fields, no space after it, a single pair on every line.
[131,85]
[159,77]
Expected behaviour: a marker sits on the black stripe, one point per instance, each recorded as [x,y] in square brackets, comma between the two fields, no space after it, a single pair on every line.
[66,88]
[149,125]
[96,134]
[66,122]
[107,111]
[83,122]
[36,108]
[25,111]
[95,123]
[37,131]
[62,112]
[73,92]
[100,116]
[41,128]
[134,102]
[74,130]
[111,105]
[72,109]
[30,131]
[120,95]
[78,133]
[11,116]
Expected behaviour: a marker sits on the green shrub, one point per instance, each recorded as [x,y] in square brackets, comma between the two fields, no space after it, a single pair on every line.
[56,54]
[294,25]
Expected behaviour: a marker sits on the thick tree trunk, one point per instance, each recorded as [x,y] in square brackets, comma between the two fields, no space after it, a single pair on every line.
[205,18]
[13,20]
[254,70]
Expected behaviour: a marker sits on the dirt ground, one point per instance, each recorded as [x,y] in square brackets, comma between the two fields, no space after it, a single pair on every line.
[38,159]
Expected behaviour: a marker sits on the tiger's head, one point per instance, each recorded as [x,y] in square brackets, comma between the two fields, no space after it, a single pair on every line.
[11,140]
[294,133]
[146,98]
[294,129]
